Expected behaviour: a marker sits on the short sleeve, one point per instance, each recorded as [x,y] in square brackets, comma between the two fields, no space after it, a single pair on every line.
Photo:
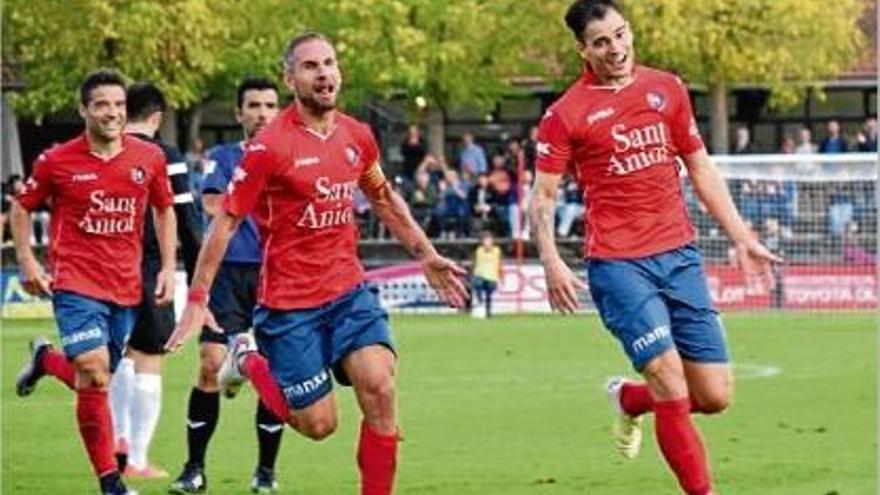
[554,145]
[38,187]
[249,179]
[685,133]
[218,172]
[160,187]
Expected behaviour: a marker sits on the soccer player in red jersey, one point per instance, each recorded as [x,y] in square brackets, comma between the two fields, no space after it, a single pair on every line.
[98,187]
[620,130]
[316,314]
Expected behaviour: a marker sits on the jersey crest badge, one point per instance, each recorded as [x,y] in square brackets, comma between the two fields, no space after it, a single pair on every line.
[352,155]
[656,100]
[138,175]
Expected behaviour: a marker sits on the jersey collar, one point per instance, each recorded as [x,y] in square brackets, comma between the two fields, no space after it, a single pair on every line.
[296,120]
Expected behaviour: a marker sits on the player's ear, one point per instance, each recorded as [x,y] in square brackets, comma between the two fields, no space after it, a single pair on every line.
[82,110]
[581,49]
[289,81]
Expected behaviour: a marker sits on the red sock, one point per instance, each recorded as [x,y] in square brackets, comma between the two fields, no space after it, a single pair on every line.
[56,364]
[256,369]
[635,399]
[681,445]
[96,429]
[377,460]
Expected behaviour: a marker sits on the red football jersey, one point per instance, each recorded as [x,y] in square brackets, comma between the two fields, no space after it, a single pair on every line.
[97,214]
[621,144]
[301,187]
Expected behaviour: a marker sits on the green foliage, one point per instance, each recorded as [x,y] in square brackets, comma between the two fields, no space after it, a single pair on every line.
[778,43]
[55,43]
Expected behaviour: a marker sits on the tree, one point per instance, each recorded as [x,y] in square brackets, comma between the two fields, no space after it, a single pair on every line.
[55,43]
[779,44]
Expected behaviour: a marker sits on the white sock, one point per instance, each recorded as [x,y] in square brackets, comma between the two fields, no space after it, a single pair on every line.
[121,389]
[145,407]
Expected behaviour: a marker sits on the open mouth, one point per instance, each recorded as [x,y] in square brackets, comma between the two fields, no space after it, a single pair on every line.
[325,90]
[618,62]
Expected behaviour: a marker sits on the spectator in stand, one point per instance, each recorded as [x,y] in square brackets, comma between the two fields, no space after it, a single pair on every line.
[435,167]
[473,157]
[423,200]
[451,214]
[505,197]
[806,146]
[487,271]
[854,253]
[743,144]
[531,148]
[481,199]
[525,196]
[413,150]
[833,142]
[515,155]
[866,140]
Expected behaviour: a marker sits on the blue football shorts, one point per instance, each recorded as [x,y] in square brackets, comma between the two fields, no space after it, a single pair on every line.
[86,324]
[655,303]
[304,346]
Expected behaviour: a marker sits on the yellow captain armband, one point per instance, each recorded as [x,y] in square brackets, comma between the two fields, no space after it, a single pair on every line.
[373,179]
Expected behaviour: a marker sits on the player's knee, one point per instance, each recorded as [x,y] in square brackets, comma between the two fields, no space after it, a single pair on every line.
[378,392]
[93,374]
[318,428]
[712,402]
[665,377]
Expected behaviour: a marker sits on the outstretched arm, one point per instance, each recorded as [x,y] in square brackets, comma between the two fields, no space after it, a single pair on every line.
[443,275]
[196,314]
[562,284]
[754,257]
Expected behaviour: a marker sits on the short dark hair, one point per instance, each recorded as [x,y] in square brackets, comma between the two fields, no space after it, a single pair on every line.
[258,83]
[100,77]
[144,99]
[582,12]
[294,43]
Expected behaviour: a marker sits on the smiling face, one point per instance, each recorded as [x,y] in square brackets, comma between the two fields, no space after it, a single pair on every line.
[607,45]
[104,112]
[313,76]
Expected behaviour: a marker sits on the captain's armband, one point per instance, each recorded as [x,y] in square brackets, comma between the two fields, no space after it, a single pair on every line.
[373,179]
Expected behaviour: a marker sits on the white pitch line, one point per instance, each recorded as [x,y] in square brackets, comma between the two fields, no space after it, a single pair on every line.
[752,370]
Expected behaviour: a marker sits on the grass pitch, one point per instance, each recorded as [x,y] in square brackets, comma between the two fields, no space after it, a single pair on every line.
[511,405]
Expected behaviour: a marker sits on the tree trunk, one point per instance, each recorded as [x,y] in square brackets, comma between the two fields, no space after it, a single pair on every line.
[718,113]
[195,124]
[168,131]
[436,121]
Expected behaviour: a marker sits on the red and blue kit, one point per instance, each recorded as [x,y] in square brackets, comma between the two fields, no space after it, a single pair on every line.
[622,144]
[97,215]
[300,186]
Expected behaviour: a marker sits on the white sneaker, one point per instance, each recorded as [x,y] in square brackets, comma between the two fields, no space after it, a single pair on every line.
[627,430]
[230,376]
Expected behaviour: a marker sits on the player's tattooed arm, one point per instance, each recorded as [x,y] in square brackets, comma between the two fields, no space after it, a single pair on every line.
[542,212]
[562,284]
[392,210]
[443,275]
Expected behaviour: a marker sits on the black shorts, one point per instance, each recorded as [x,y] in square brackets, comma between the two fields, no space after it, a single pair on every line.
[233,297]
[154,324]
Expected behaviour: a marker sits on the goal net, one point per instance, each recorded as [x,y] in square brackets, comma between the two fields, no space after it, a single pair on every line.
[817,211]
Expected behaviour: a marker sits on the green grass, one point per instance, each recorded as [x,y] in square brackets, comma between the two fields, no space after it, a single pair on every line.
[513,406]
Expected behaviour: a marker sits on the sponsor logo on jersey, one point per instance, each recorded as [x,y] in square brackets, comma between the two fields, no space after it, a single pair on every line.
[542,148]
[638,148]
[332,205]
[306,161]
[109,215]
[599,115]
[138,175]
[87,177]
[656,100]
